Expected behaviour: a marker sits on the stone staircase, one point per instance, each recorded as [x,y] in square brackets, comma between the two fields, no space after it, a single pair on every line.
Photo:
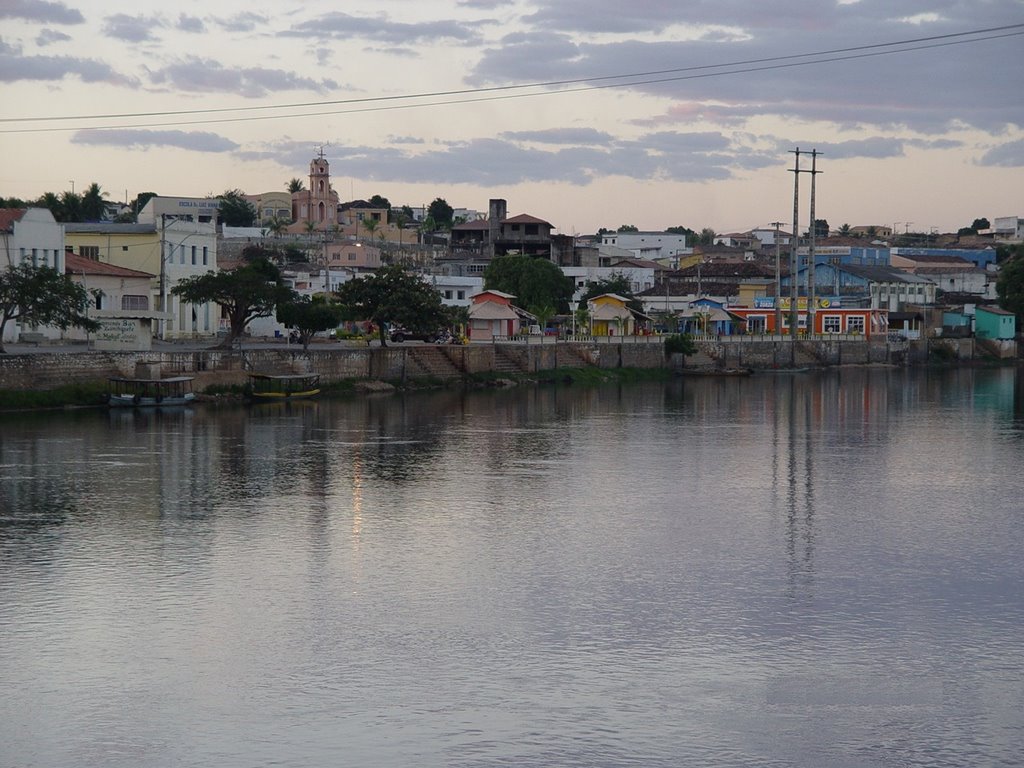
[570,356]
[429,361]
[505,362]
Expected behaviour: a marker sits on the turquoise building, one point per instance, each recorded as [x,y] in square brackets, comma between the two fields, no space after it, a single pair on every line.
[994,323]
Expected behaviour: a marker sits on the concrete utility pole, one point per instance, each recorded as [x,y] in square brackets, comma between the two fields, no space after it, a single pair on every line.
[778,278]
[811,300]
[793,292]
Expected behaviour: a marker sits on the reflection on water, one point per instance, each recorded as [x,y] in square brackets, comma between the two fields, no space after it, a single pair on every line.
[788,569]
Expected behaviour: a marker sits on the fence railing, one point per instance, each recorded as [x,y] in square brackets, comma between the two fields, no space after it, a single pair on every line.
[746,338]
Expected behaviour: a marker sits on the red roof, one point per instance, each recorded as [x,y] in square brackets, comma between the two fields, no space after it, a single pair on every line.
[525,218]
[79,265]
[10,215]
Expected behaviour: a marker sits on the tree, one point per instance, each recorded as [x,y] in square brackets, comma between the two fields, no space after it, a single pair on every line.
[94,207]
[379,202]
[42,296]
[982,223]
[1010,285]
[821,228]
[627,228]
[235,210]
[844,230]
[681,344]
[296,185]
[680,230]
[246,292]
[441,213]
[393,296]
[309,316]
[534,282]
[707,236]
[370,226]
[543,313]
[52,202]
[616,283]
[70,207]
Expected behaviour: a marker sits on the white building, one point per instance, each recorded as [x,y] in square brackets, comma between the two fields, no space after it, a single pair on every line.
[456,290]
[1008,228]
[640,278]
[30,235]
[649,245]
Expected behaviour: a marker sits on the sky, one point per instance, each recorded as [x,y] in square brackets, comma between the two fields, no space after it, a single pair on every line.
[584,113]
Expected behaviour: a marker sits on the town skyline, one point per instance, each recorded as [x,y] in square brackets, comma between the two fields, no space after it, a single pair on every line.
[924,135]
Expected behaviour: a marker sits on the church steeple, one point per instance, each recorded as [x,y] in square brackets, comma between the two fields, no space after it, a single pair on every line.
[318,204]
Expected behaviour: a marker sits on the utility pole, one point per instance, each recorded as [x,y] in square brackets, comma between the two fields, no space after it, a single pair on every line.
[778,279]
[811,300]
[793,292]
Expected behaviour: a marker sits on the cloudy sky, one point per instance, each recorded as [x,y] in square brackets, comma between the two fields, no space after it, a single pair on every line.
[586,113]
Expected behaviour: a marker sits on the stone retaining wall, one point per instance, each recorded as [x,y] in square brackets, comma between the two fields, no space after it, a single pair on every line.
[336,363]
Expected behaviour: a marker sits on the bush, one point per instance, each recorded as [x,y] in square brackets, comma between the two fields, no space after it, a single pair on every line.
[679,343]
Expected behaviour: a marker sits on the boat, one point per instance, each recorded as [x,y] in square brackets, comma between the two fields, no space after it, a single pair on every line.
[271,387]
[147,393]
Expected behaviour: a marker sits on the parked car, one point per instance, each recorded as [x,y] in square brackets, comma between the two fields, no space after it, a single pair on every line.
[399,334]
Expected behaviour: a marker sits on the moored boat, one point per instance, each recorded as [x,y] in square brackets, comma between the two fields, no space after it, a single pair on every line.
[269,387]
[147,393]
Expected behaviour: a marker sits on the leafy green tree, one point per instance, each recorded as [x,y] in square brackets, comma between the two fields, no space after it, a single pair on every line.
[296,185]
[981,223]
[602,231]
[441,213]
[844,230]
[1010,285]
[627,228]
[42,296]
[235,210]
[680,230]
[616,283]
[680,343]
[534,282]
[246,292]
[408,212]
[707,236]
[821,228]
[393,296]
[94,207]
[379,202]
[13,202]
[309,316]
[369,226]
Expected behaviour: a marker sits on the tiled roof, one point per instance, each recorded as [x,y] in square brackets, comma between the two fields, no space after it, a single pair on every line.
[525,218]
[77,265]
[10,215]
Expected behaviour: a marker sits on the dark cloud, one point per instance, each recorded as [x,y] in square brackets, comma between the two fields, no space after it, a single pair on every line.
[131,29]
[205,75]
[196,141]
[1009,155]
[190,24]
[50,36]
[342,26]
[729,73]
[41,11]
[15,67]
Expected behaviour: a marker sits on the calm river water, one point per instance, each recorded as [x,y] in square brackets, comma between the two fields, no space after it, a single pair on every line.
[785,570]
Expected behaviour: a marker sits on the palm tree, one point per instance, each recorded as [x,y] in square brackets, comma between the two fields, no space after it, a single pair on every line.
[71,206]
[370,225]
[844,230]
[543,313]
[93,205]
[51,201]
[296,185]
[276,226]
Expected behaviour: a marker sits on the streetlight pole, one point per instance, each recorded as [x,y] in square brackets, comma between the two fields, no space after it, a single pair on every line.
[778,278]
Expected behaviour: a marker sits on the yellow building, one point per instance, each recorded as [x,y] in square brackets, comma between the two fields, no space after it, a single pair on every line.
[610,316]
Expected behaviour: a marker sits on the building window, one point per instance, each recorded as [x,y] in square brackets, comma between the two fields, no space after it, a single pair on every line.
[855,324]
[448,294]
[352,256]
[135,302]
[193,255]
[206,255]
[832,324]
[532,229]
[475,269]
[99,299]
[460,295]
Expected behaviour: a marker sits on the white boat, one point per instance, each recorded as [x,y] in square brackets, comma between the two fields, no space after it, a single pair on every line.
[143,393]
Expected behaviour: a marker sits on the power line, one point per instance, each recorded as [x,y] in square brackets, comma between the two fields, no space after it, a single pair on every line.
[498,93]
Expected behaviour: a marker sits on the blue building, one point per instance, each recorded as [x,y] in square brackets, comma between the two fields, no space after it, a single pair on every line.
[980,257]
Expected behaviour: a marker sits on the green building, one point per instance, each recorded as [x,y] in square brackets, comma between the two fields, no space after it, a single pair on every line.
[994,323]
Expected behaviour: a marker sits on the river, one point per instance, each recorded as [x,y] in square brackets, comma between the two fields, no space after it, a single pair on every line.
[810,569]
